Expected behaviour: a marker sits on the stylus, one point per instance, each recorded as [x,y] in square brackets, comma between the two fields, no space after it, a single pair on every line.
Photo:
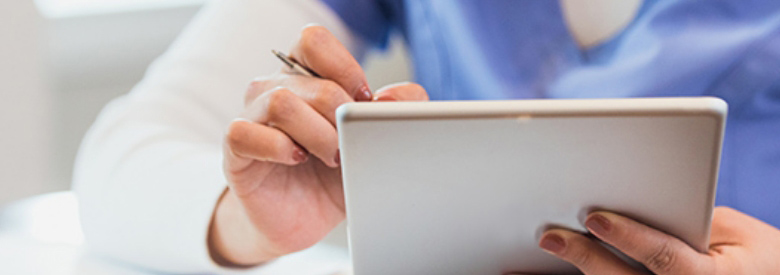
[293,65]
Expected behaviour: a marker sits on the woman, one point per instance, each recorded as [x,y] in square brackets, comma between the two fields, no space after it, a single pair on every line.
[150,173]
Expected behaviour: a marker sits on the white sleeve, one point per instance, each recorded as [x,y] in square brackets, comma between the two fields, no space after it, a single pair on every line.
[149,171]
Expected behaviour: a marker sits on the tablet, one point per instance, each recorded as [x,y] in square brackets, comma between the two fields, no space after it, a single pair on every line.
[467,187]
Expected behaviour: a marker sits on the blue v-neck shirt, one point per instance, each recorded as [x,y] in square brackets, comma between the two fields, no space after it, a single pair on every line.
[513,49]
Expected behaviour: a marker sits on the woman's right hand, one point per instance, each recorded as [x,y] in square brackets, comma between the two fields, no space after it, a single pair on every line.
[281,156]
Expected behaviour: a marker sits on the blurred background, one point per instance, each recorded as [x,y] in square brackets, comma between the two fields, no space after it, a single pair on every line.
[62,60]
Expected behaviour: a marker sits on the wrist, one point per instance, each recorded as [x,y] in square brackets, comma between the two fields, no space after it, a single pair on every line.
[233,240]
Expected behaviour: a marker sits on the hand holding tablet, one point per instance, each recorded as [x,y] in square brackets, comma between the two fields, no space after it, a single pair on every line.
[739,244]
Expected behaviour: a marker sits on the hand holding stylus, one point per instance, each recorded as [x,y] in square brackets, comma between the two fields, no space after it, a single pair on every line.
[281,156]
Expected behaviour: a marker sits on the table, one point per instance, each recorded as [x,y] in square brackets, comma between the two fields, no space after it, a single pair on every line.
[42,235]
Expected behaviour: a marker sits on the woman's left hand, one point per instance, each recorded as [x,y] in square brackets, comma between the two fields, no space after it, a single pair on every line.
[739,244]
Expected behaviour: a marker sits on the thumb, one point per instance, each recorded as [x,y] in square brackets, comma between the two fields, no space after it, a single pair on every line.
[405,91]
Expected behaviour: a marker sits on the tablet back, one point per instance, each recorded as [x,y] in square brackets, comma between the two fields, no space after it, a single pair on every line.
[468,187]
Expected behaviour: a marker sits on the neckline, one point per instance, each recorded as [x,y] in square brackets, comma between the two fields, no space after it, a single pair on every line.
[603,50]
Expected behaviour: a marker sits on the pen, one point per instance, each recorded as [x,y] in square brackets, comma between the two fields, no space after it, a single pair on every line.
[293,65]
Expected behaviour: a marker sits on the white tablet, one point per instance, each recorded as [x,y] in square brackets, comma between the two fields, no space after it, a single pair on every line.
[468,187]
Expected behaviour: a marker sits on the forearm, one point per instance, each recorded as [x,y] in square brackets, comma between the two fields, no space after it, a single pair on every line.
[146,198]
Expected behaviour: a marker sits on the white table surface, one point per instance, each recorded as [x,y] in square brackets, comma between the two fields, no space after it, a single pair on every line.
[42,235]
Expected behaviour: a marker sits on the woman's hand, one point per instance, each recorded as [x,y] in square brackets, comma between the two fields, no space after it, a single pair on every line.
[739,244]
[281,157]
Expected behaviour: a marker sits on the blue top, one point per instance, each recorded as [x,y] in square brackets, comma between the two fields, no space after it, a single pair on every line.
[505,49]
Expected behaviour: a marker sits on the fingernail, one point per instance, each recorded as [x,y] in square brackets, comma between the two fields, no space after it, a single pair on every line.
[364,94]
[337,159]
[552,243]
[299,155]
[598,224]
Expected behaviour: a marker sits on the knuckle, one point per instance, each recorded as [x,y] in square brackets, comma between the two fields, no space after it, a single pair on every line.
[281,104]
[256,87]
[328,94]
[279,145]
[237,132]
[581,257]
[312,36]
[663,259]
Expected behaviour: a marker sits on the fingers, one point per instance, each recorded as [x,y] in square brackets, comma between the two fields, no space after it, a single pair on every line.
[659,252]
[325,96]
[319,50]
[247,139]
[290,114]
[305,110]
[586,254]
[402,92]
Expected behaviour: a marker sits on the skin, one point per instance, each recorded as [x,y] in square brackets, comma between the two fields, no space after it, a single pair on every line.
[281,156]
[739,244]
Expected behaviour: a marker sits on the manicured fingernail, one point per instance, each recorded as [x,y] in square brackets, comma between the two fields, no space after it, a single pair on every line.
[299,155]
[598,224]
[552,243]
[364,94]
[337,159]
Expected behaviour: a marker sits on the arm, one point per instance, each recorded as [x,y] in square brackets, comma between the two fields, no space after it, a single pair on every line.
[149,172]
